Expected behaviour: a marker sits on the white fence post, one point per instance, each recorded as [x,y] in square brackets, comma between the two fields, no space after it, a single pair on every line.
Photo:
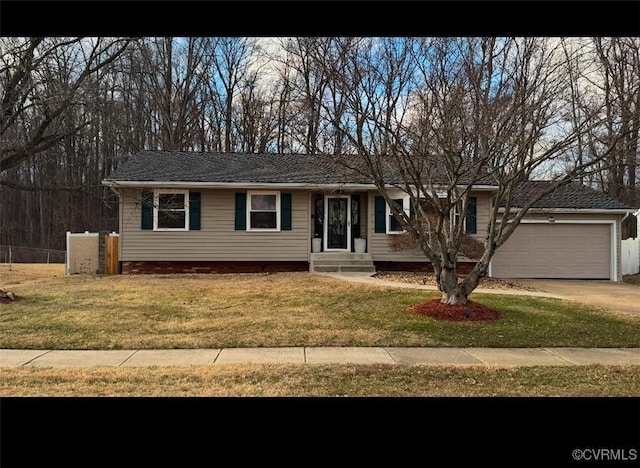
[630,256]
[67,267]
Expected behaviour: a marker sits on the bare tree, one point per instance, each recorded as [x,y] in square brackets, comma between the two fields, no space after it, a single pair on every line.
[57,138]
[257,120]
[309,85]
[231,59]
[285,112]
[30,111]
[435,117]
[174,69]
[617,82]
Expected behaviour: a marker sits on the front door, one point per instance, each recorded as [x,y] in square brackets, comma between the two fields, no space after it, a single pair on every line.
[337,225]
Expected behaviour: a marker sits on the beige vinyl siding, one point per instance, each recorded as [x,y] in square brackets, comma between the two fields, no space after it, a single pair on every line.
[379,243]
[217,240]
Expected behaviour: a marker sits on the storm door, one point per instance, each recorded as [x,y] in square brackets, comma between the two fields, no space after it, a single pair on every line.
[337,231]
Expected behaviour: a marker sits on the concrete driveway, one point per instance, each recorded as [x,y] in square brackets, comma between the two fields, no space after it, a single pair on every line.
[621,298]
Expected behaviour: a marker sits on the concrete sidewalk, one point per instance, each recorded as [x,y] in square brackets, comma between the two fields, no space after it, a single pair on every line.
[501,357]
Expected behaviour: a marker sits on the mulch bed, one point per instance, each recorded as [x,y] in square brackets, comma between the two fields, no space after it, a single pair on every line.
[430,279]
[469,312]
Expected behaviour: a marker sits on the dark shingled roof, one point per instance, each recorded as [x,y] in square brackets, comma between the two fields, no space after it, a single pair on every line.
[181,166]
[574,195]
[187,166]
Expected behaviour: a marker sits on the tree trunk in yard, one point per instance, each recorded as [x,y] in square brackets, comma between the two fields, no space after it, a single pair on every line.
[458,293]
[452,292]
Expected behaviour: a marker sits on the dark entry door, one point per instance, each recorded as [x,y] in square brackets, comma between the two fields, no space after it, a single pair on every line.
[337,222]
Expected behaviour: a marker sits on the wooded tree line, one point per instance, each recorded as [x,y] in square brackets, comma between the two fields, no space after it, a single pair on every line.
[72,109]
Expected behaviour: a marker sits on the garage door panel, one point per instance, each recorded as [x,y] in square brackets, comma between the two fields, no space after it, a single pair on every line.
[535,241]
[555,251]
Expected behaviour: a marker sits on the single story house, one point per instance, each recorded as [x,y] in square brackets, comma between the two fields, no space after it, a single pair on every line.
[237,212]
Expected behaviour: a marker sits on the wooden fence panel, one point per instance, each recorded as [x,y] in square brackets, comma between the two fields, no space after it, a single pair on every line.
[111,255]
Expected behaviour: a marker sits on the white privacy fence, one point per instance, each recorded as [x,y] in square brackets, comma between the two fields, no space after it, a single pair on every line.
[630,254]
[92,253]
[82,253]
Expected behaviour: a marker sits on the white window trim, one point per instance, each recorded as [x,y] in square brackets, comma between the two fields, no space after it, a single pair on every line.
[405,207]
[456,212]
[278,214]
[156,204]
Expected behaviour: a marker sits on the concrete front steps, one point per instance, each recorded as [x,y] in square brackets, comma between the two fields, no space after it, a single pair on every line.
[341,262]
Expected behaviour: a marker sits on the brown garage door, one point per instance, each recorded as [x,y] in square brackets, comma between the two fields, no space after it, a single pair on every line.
[581,251]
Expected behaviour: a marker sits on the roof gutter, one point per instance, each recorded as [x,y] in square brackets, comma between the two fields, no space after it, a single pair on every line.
[633,212]
[576,210]
[232,185]
[256,185]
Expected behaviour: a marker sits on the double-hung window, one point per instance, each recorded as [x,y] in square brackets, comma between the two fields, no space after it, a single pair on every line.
[393,224]
[171,210]
[386,222]
[263,211]
[454,214]
[455,218]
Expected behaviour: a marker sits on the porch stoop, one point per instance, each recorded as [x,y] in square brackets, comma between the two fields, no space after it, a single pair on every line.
[341,262]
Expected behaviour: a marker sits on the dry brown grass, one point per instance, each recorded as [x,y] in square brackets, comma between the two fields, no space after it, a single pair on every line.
[26,273]
[323,380]
[284,309]
[180,311]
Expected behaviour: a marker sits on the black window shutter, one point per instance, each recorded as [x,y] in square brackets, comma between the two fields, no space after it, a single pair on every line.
[241,211]
[147,210]
[471,215]
[194,211]
[318,216]
[355,221]
[285,211]
[380,214]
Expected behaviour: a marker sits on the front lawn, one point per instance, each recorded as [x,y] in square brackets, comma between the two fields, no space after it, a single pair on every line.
[292,309]
[294,380]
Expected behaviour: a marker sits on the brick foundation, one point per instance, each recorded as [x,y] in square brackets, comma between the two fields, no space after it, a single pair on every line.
[163,268]
[462,267]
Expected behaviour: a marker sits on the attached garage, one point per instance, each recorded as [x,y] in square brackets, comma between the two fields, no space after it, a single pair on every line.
[558,250]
